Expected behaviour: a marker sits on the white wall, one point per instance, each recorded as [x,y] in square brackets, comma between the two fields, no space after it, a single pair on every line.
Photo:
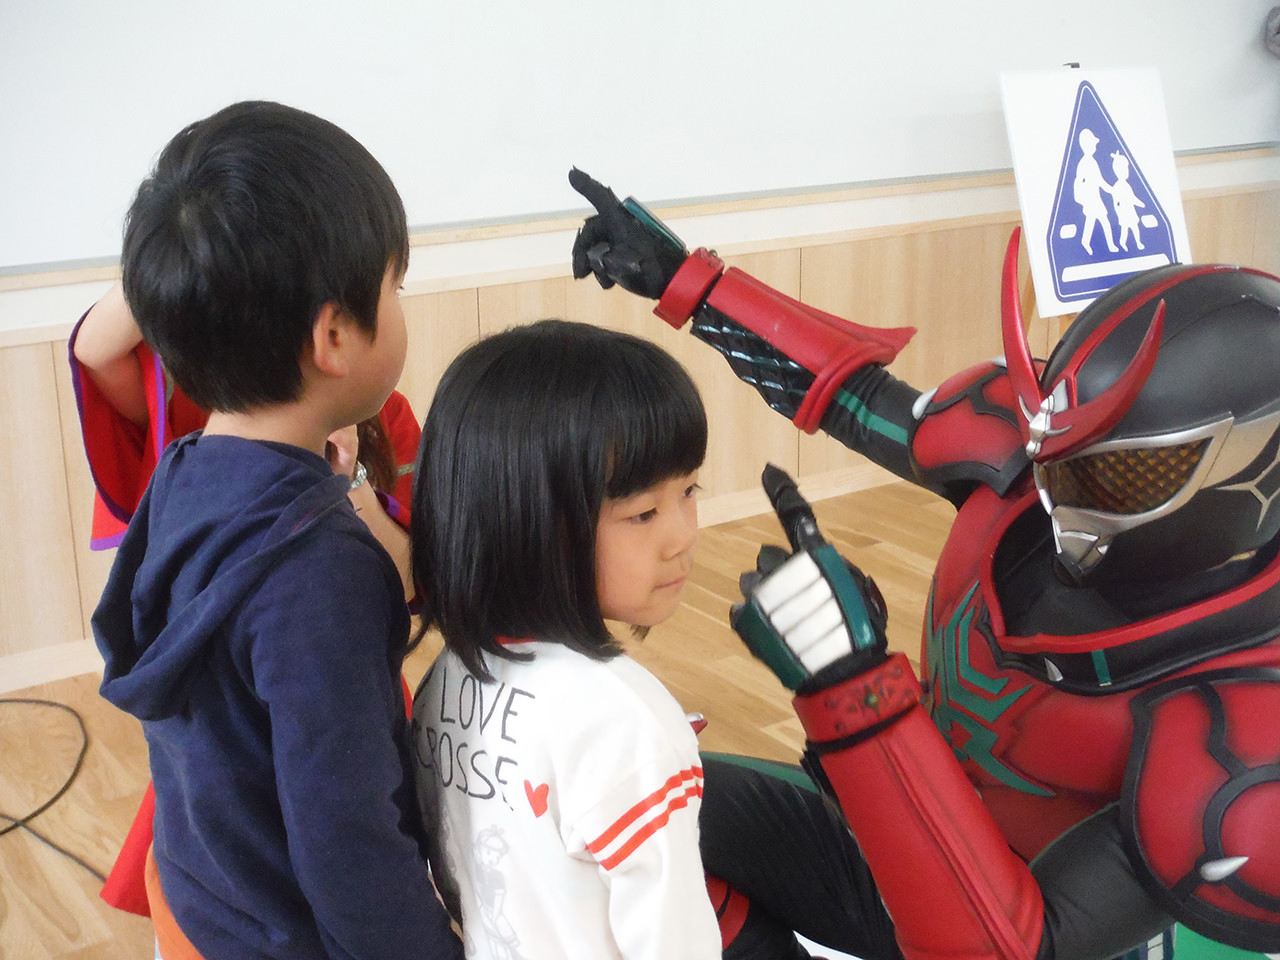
[479,107]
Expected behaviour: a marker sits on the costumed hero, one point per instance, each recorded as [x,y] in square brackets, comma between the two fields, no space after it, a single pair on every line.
[1101,649]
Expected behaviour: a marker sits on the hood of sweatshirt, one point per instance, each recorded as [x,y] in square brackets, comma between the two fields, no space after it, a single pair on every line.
[219,513]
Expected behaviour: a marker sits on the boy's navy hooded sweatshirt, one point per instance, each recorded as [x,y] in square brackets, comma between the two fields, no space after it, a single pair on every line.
[256,628]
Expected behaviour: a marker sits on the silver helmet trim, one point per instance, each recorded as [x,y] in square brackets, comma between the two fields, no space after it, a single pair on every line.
[1081,536]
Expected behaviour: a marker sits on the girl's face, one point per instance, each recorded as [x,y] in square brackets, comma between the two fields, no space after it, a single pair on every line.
[644,551]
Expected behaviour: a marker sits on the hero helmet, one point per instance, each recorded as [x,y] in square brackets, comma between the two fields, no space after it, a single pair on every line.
[1154,427]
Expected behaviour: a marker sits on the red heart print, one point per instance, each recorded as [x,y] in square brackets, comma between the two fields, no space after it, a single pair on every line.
[537,797]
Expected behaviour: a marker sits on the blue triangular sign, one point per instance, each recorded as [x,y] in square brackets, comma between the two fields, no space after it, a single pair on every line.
[1107,223]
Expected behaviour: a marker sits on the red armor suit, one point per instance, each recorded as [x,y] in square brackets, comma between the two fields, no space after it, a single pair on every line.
[1100,651]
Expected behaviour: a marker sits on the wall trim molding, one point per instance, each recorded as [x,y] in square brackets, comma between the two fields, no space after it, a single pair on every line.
[18,671]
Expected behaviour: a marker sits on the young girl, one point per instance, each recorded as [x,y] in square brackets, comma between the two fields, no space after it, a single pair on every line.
[560,781]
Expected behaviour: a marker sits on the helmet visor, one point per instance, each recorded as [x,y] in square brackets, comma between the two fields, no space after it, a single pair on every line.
[1125,480]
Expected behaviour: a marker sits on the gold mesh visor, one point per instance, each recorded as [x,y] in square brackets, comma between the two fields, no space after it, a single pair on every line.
[1123,481]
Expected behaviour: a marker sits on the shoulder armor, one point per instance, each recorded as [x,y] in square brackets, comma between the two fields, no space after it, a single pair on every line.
[1201,802]
[966,431]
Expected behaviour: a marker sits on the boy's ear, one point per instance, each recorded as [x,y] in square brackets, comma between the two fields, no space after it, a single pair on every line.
[329,337]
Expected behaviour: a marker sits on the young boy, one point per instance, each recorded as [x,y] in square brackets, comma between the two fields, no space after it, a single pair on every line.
[130,410]
[251,621]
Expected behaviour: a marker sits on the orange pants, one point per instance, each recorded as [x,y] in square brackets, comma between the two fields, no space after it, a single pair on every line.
[173,943]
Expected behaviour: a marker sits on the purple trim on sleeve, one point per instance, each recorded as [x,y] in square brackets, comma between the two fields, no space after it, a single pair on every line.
[390,505]
[162,406]
[106,543]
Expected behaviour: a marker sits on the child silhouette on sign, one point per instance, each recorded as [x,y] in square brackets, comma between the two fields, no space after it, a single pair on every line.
[1125,201]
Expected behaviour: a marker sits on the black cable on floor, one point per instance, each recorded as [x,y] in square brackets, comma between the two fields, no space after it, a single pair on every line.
[24,822]
[15,824]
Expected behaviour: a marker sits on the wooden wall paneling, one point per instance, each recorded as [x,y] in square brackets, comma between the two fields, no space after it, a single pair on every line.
[862,281]
[1044,333]
[92,566]
[39,601]
[514,304]
[1266,236]
[439,325]
[945,282]
[1222,228]
[586,302]
[958,300]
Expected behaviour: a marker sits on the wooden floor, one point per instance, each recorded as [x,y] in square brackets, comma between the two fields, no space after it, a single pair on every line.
[49,905]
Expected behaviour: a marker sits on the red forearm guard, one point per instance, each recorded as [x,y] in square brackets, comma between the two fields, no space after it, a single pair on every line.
[827,346]
[687,288]
[859,703]
[944,870]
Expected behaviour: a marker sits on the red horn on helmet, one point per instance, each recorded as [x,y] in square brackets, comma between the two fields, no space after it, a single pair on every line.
[1017,355]
[1065,431]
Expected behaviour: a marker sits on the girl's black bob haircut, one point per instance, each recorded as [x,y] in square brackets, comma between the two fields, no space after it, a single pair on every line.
[530,431]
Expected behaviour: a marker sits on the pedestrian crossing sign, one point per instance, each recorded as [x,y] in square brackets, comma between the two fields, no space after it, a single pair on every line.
[1097,185]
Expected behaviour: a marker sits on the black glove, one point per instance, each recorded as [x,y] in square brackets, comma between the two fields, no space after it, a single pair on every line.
[813,618]
[624,243]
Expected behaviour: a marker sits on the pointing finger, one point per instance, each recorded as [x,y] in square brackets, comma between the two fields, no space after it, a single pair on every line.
[597,194]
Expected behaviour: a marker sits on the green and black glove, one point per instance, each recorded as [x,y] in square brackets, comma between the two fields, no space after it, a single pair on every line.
[623,242]
[813,617]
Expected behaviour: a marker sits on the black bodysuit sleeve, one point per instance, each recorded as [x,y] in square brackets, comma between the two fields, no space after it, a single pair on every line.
[870,413]
[1093,900]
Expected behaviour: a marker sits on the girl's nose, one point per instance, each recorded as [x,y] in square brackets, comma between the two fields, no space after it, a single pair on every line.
[684,532]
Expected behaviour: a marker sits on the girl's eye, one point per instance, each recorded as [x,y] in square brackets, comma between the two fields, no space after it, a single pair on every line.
[692,490]
[644,517]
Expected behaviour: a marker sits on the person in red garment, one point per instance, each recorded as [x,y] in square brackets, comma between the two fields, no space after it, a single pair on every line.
[130,410]
[1101,649]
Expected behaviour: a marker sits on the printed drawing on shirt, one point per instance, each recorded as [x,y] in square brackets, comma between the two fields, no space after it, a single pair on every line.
[489,850]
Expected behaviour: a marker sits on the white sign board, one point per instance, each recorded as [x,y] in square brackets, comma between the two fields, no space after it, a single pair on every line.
[1096,180]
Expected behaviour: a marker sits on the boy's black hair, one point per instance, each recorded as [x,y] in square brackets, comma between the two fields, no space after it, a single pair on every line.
[251,220]
[530,431]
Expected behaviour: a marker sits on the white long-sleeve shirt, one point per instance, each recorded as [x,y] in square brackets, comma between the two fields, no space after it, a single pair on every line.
[562,799]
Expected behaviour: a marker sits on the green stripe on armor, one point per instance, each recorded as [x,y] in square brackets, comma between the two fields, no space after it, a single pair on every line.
[1100,667]
[955,682]
[874,423]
